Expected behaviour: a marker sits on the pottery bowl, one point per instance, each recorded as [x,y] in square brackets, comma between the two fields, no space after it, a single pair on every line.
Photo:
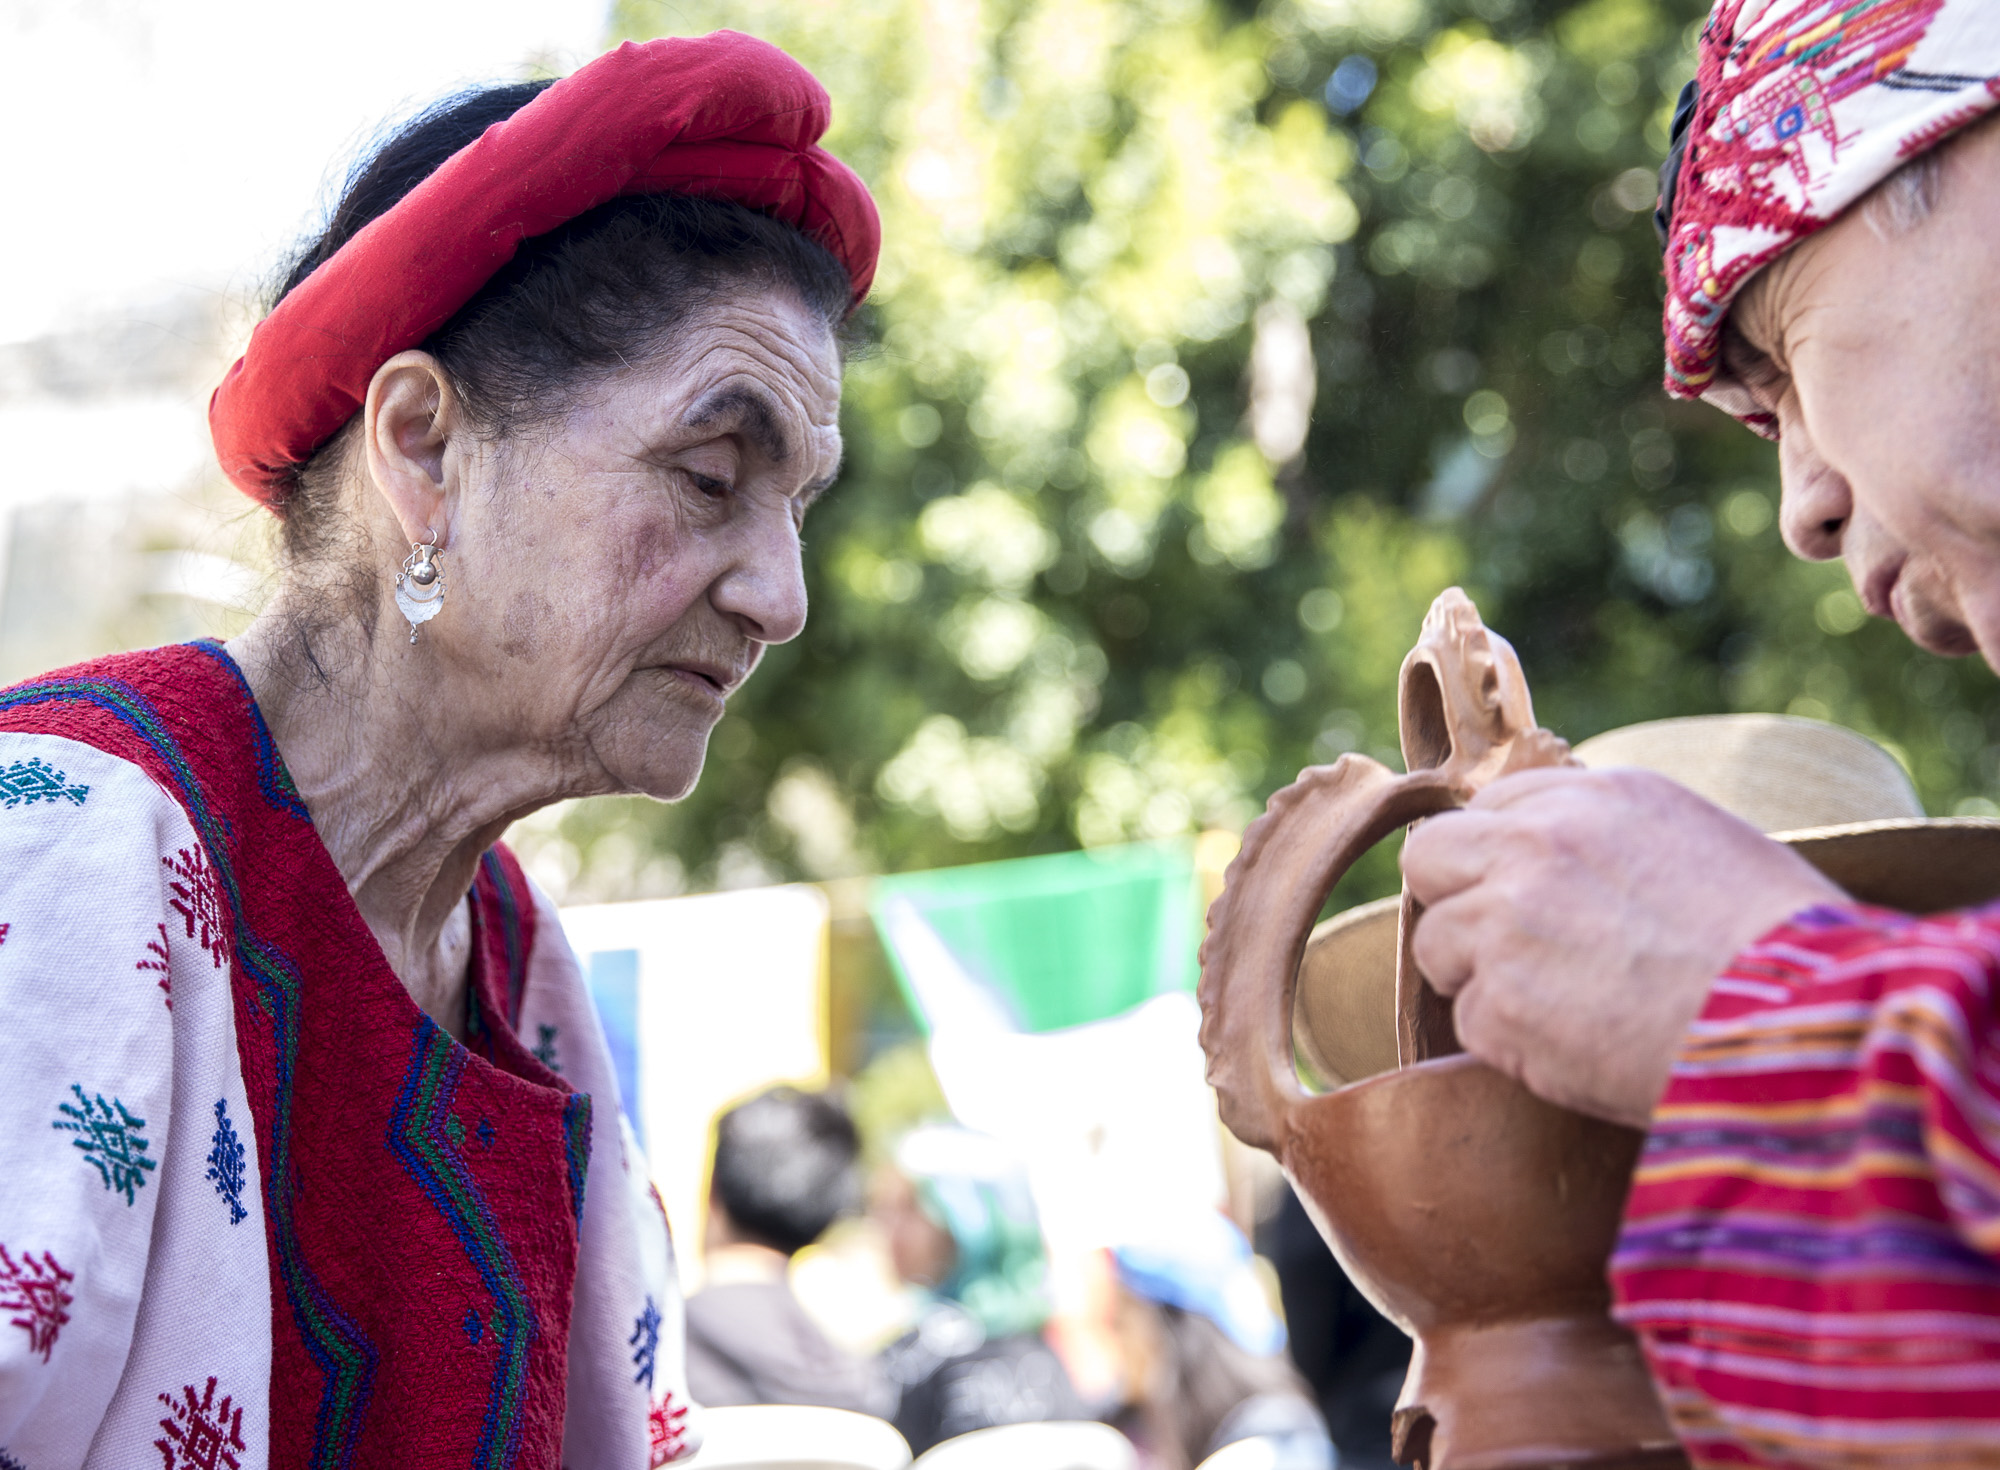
[1452,1194]
[1479,1218]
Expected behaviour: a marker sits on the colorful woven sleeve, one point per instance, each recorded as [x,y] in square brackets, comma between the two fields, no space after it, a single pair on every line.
[1811,1251]
[134,1305]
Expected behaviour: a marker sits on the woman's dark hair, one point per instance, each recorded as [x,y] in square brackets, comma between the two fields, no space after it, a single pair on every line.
[604,291]
[784,1167]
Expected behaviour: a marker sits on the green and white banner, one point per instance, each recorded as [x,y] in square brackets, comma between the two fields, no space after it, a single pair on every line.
[1058,994]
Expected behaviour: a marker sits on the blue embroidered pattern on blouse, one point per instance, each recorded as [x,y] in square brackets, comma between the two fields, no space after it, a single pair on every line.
[645,1342]
[225,1164]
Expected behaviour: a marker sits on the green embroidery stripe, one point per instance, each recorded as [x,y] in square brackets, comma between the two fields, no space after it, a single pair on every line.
[510,933]
[576,1147]
[419,1135]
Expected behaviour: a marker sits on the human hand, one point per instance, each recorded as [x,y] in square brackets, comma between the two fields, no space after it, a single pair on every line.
[1578,918]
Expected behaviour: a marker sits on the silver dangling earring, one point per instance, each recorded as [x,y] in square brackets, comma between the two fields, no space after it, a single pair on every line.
[420,584]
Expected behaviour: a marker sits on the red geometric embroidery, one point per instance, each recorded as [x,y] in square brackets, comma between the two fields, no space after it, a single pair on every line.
[200,1435]
[1764,96]
[3,933]
[1925,137]
[158,963]
[196,901]
[666,1429]
[35,1289]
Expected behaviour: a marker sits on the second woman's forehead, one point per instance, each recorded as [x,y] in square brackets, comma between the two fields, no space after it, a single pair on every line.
[762,373]
[766,336]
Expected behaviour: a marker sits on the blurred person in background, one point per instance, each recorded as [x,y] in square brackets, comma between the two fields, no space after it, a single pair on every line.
[1205,1362]
[540,413]
[1353,1357]
[960,1223]
[784,1170]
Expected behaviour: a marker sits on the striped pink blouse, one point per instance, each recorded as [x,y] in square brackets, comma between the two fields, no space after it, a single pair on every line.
[1811,1252]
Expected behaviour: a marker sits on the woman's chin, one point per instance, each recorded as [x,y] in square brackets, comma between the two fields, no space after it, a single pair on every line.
[661,763]
[652,738]
[666,770]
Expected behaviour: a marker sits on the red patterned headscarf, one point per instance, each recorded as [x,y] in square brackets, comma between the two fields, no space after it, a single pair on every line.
[1798,109]
[722,117]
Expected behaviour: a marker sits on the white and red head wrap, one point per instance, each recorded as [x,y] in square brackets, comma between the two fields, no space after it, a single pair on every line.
[1799,108]
[723,117]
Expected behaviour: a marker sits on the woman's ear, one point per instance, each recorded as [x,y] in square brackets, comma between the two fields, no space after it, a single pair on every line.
[406,420]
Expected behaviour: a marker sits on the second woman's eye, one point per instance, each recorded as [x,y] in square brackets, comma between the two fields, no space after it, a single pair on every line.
[713,488]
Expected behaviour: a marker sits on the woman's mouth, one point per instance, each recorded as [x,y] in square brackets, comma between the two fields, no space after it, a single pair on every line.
[712,683]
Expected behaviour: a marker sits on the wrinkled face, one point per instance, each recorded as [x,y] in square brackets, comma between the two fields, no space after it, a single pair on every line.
[1879,353]
[612,577]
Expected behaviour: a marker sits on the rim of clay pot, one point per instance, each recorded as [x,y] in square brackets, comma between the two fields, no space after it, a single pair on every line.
[1763,768]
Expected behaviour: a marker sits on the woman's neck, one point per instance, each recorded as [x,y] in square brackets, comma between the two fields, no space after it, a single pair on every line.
[404,810]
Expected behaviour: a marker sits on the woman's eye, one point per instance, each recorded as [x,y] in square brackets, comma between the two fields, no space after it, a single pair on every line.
[712,488]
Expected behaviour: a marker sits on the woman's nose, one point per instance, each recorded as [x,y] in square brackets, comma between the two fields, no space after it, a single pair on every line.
[1816,503]
[764,589]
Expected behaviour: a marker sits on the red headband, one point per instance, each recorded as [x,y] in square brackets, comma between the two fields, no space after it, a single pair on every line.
[723,116]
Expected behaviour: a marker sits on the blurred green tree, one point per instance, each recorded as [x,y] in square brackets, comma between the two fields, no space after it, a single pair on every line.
[1213,341]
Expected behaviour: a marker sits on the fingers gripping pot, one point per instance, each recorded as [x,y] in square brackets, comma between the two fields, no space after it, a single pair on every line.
[1476,1216]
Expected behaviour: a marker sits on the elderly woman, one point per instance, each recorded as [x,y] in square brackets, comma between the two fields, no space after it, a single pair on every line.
[1811,1252]
[541,412]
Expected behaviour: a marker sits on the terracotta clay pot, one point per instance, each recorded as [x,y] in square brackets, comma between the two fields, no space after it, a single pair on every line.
[1476,1216]
[1479,1218]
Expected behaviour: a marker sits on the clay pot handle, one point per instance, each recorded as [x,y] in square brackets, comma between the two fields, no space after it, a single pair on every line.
[1465,720]
[1309,836]
[1462,708]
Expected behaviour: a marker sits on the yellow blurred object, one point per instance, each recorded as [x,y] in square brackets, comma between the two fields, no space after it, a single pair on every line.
[847,1284]
[1214,850]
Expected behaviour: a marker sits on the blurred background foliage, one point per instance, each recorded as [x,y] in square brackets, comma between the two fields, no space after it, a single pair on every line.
[1211,341]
